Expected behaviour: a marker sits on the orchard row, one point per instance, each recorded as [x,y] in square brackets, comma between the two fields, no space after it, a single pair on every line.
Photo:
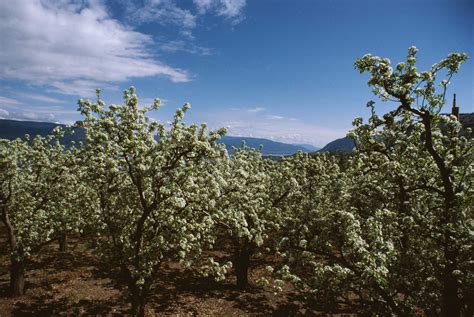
[389,230]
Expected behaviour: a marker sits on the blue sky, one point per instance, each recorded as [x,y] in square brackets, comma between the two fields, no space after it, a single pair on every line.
[276,69]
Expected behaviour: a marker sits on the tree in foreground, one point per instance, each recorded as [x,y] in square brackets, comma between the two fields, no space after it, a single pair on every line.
[154,189]
[399,239]
[445,181]
[37,190]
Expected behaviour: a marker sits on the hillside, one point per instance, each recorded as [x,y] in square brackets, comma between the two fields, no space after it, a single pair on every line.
[345,144]
[12,129]
[467,120]
[269,147]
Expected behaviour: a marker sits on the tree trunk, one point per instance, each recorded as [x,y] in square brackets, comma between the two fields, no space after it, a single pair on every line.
[138,295]
[138,306]
[469,303]
[17,277]
[94,242]
[17,264]
[63,243]
[242,264]
[451,303]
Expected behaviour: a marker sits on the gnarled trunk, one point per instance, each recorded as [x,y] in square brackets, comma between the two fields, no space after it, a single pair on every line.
[17,264]
[451,302]
[242,255]
[62,240]
[17,276]
[242,271]
[138,305]
[138,295]
[451,305]
[139,298]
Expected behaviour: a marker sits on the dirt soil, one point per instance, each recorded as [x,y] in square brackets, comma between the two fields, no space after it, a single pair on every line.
[75,284]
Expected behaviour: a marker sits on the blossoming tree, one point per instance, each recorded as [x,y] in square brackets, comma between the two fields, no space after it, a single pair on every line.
[252,191]
[37,192]
[154,188]
[397,238]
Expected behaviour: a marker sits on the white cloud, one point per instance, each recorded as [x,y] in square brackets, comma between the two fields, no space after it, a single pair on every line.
[21,111]
[182,46]
[204,5]
[151,101]
[227,8]
[256,109]
[33,116]
[4,114]
[274,117]
[73,47]
[42,98]
[164,12]
[231,8]
[80,87]
[29,115]
[169,12]
[4,101]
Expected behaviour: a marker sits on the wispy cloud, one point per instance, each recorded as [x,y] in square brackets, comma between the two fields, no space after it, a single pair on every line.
[275,117]
[183,20]
[73,47]
[80,87]
[18,110]
[230,9]
[170,12]
[183,46]
[163,12]
[27,114]
[4,114]
[32,116]
[255,110]
[42,98]
[5,101]
[151,101]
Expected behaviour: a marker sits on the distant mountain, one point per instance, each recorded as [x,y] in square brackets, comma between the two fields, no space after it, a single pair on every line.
[269,147]
[11,129]
[467,120]
[345,144]
[308,147]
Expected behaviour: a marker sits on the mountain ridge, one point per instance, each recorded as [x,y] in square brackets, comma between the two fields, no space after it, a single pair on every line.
[341,145]
[12,129]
